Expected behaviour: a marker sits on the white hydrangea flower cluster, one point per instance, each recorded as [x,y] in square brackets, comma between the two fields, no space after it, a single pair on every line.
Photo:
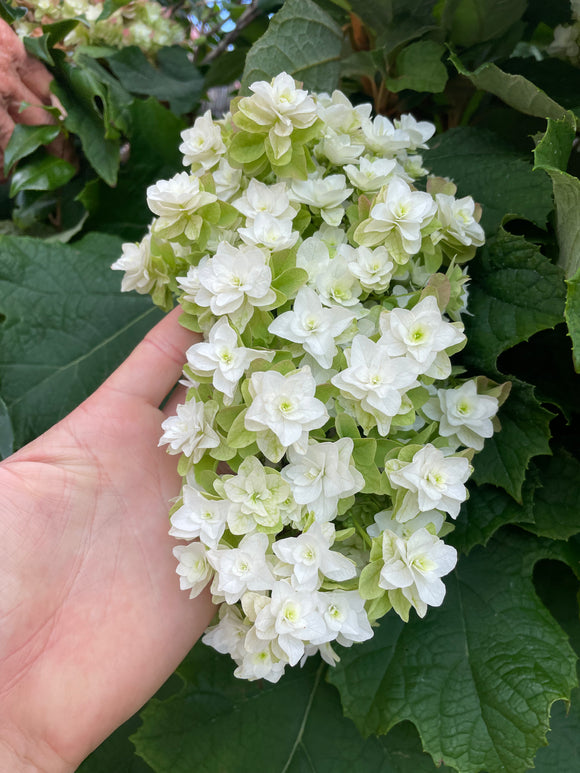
[566,42]
[143,23]
[328,284]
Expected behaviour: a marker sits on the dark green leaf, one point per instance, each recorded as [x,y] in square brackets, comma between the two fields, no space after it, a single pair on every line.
[116,754]
[558,589]
[477,676]
[292,727]
[396,22]
[476,21]
[176,80]
[304,41]
[487,509]
[419,67]
[66,327]
[93,113]
[557,500]
[25,140]
[6,432]
[514,292]
[525,433]
[9,13]
[42,174]
[497,176]
[154,154]
[38,48]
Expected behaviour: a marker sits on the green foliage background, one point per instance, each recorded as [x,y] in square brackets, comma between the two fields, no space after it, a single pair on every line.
[484,681]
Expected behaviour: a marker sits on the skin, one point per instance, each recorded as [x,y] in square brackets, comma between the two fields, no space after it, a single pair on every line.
[22,79]
[92,620]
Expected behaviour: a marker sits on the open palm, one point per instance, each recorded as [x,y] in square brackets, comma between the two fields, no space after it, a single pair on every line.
[92,619]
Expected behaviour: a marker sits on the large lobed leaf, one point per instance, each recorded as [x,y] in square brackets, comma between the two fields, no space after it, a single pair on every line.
[218,723]
[477,676]
[514,292]
[302,40]
[493,173]
[66,326]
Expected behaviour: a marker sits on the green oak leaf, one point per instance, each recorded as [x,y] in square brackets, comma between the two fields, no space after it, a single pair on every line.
[66,326]
[116,754]
[514,292]
[291,727]
[488,509]
[500,178]
[558,588]
[525,433]
[556,507]
[478,675]
[302,40]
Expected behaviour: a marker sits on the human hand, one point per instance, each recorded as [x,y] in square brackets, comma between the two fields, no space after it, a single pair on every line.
[22,79]
[92,620]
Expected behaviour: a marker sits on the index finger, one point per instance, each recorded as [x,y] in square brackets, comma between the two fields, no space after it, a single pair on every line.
[153,368]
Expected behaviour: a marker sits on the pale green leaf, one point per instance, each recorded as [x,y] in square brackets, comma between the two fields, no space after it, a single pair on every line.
[302,40]
[66,327]
[477,676]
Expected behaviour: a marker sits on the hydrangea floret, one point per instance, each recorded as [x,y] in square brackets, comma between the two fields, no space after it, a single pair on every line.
[326,439]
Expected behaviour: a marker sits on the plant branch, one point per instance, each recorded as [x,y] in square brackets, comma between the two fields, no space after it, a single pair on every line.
[248,16]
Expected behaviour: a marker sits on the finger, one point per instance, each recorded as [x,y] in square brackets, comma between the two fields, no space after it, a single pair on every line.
[6,129]
[37,79]
[177,397]
[15,93]
[156,364]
